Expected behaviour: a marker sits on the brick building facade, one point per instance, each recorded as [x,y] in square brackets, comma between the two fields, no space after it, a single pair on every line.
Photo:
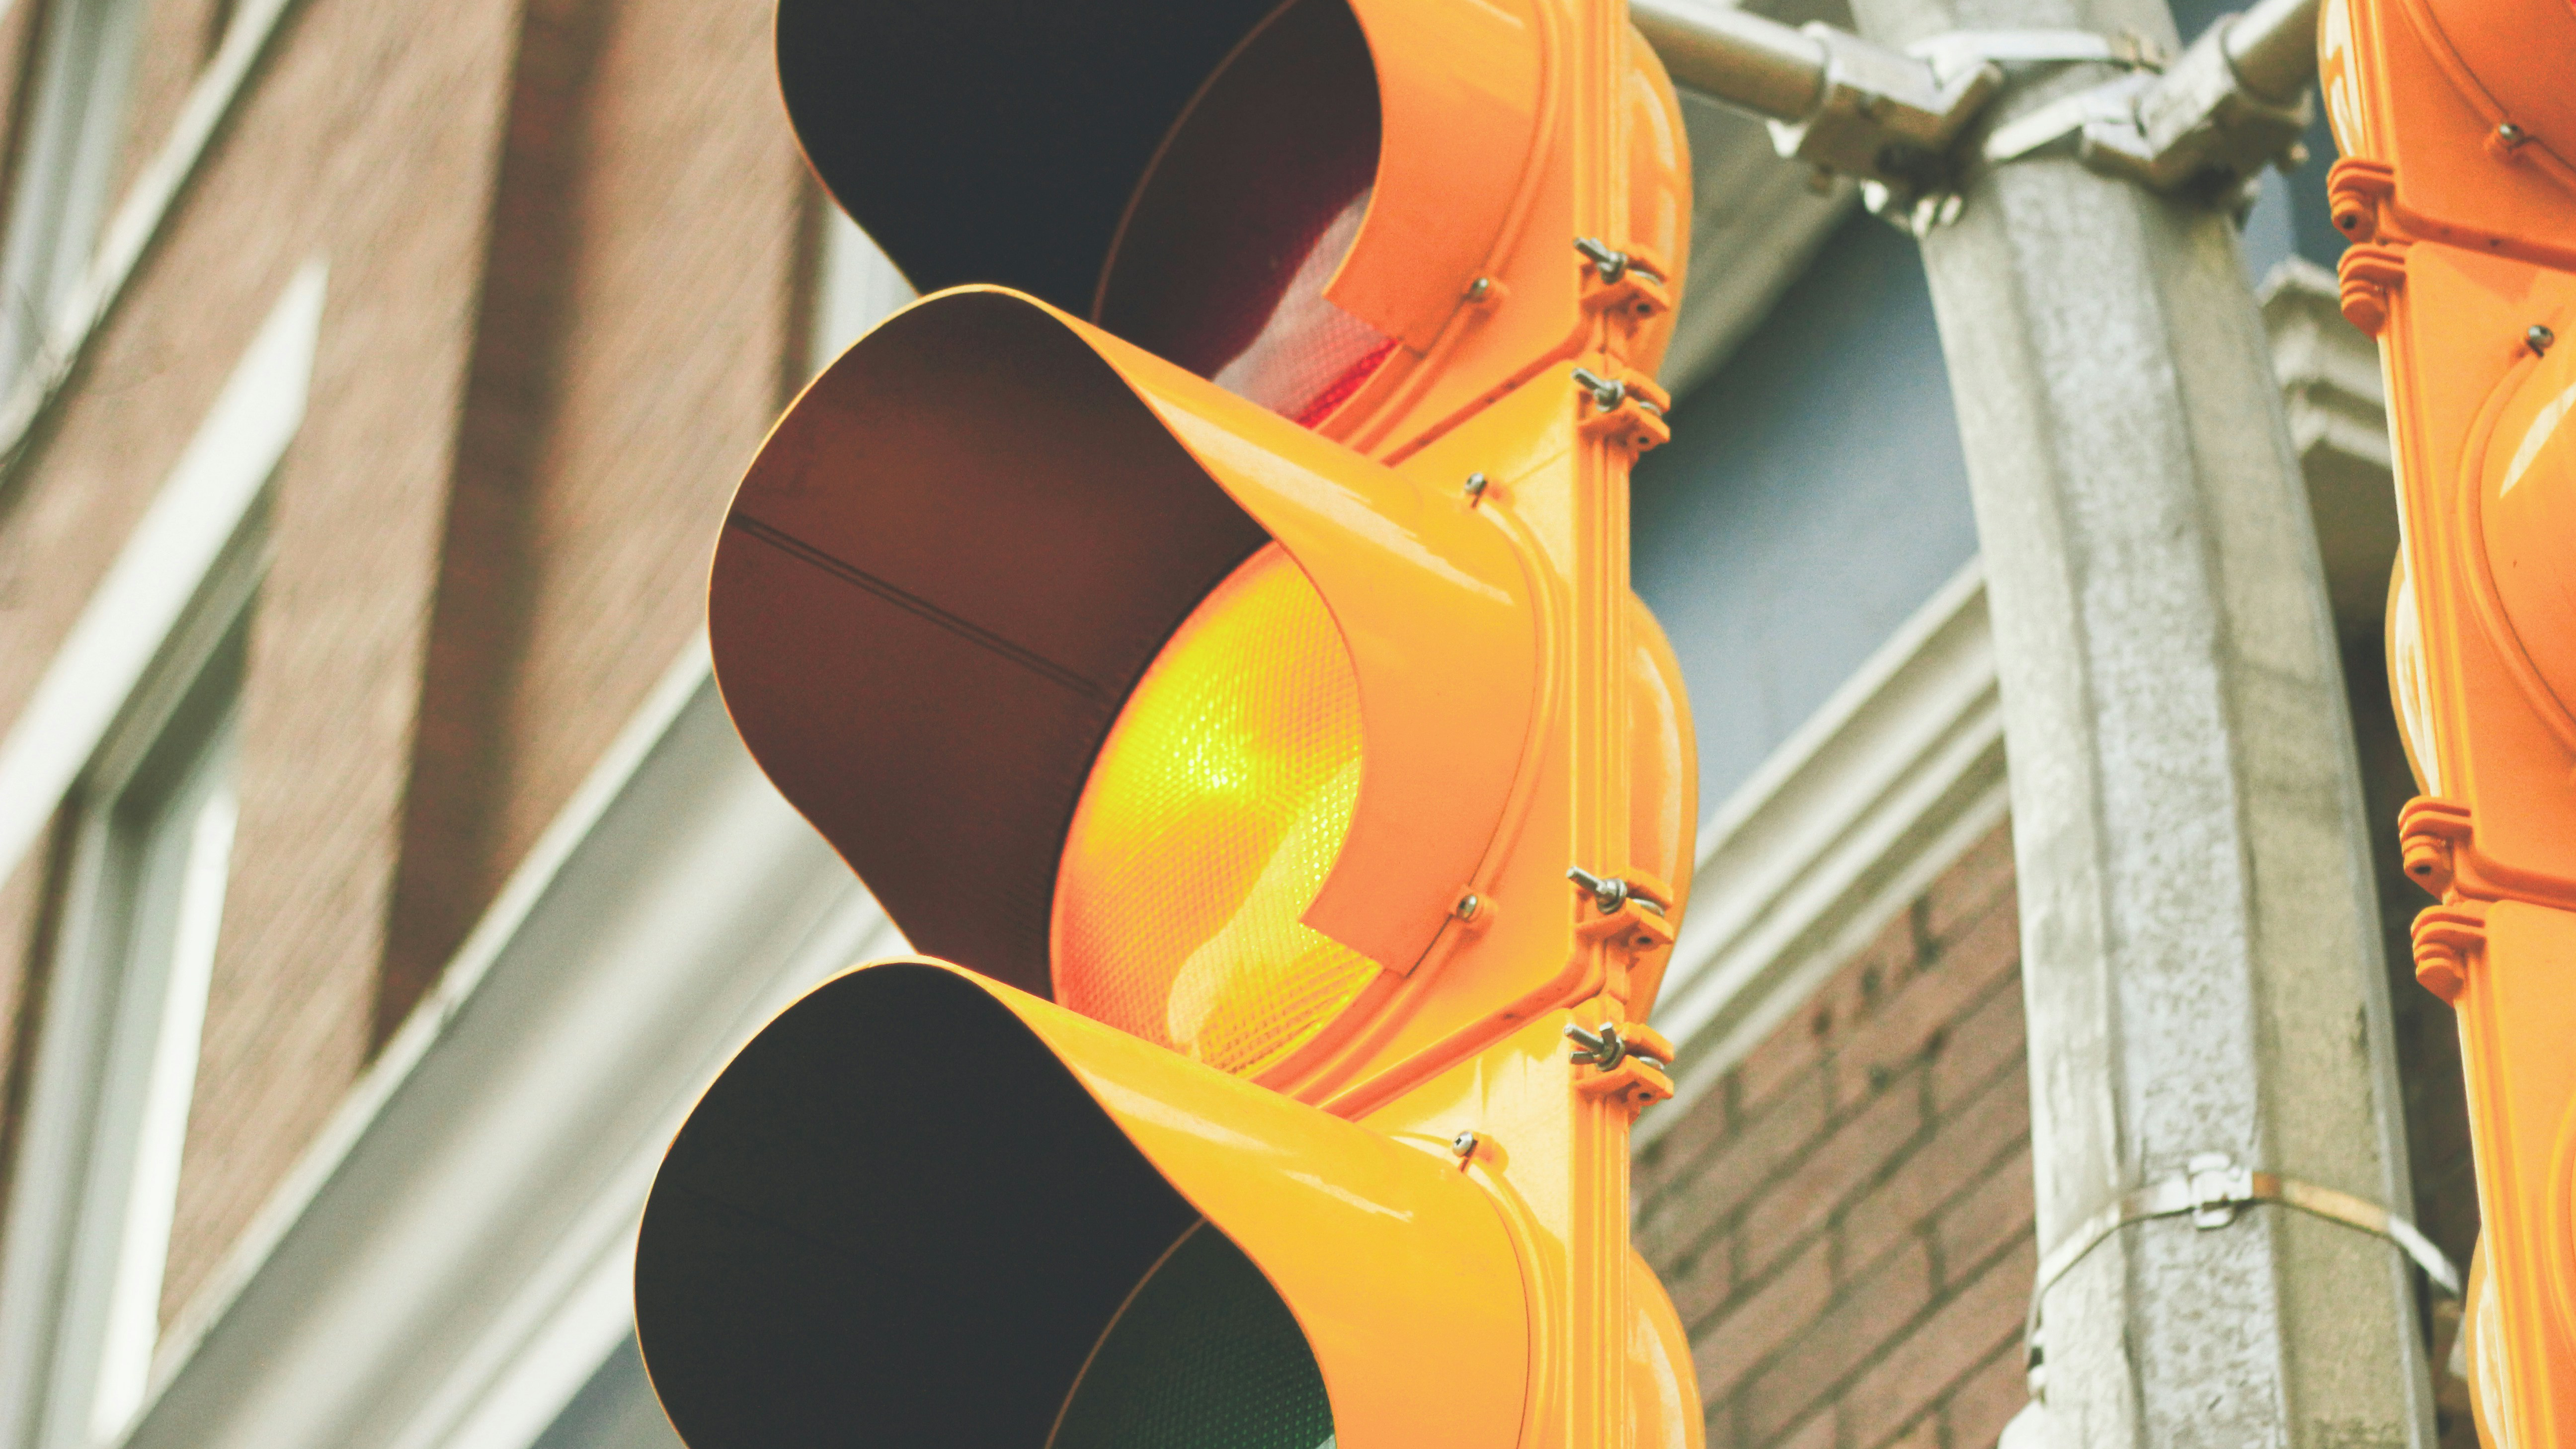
[563,267]
[1845,1224]
[488,539]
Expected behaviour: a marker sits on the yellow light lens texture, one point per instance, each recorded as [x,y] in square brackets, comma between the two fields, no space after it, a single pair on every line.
[1216,809]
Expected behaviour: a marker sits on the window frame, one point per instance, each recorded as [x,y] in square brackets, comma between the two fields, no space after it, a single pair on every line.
[180,586]
[64,167]
[97,1045]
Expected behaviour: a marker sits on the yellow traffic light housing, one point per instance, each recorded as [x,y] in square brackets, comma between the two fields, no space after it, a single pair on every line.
[2458,190]
[1206,623]
[1042,506]
[1176,170]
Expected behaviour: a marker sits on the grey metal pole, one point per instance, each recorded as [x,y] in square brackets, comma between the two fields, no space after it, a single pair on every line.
[1762,65]
[2201,955]
[2274,47]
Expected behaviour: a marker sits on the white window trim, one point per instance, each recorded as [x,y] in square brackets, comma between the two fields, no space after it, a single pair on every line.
[165,562]
[136,223]
[451,1260]
[1838,831]
[855,287]
[131,1295]
[161,612]
[71,134]
[365,1302]
[116,1062]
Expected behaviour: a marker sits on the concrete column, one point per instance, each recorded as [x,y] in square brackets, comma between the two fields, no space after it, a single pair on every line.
[2201,955]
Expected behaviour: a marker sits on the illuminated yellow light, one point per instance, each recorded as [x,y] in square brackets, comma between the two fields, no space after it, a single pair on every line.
[1216,809]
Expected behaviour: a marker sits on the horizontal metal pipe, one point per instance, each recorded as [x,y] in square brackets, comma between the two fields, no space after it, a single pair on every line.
[2274,48]
[1744,60]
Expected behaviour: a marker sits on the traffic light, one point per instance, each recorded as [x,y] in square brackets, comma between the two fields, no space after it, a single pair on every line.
[1204,623]
[2459,196]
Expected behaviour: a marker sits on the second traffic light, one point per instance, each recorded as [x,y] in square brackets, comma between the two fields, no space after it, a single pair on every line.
[2458,192]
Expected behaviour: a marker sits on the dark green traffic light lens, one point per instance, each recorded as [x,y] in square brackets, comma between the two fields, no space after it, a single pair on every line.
[1203,1356]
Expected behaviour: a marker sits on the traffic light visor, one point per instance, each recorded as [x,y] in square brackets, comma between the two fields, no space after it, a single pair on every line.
[934,1211]
[1115,686]
[1208,146]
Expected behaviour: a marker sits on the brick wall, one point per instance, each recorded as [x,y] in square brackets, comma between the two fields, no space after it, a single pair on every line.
[373,136]
[177,38]
[680,197]
[636,335]
[1845,1223]
[359,112]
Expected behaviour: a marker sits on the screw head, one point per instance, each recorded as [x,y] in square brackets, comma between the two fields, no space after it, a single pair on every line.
[1475,485]
[1464,1144]
[2511,134]
[1479,289]
[2539,339]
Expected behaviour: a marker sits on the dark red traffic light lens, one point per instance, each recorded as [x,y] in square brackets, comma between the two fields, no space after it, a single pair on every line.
[1246,213]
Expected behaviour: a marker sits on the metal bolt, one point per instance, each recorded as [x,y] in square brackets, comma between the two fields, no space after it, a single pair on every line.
[1607,392]
[2540,338]
[1464,1144]
[1468,905]
[1479,289]
[1475,485]
[1601,1048]
[2511,135]
[1612,265]
[1609,893]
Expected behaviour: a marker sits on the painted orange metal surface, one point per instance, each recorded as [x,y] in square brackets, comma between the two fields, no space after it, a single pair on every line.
[2458,127]
[1479,126]
[1402,1273]
[1461,87]
[1382,1242]
[1433,600]
[1442,616]
[1664,1411]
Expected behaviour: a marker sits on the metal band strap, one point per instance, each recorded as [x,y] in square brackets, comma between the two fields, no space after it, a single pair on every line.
[2112,101]
[2213,1189]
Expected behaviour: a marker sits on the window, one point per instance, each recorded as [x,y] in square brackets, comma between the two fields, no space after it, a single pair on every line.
[143,897]
[74,126]
[124,755]
[149,879]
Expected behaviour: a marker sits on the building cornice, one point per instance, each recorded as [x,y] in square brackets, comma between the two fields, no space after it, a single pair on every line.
[1848,821]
